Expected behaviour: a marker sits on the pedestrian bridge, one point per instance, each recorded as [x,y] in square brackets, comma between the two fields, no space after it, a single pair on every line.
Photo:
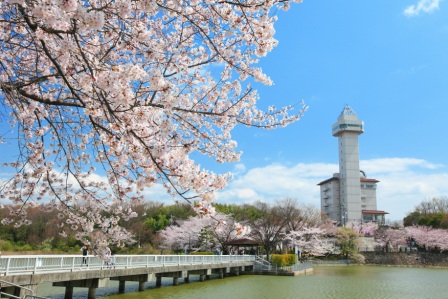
[20,275]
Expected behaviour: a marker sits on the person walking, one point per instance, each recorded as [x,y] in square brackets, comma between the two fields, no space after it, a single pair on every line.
[85,253]
[108,253]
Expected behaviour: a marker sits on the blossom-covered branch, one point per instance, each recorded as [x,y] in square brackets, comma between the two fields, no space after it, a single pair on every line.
[130,89]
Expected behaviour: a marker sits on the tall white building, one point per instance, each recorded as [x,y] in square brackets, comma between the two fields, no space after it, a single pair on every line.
[349,195]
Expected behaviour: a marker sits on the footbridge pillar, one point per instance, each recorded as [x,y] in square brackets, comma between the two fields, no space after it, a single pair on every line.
[92,284]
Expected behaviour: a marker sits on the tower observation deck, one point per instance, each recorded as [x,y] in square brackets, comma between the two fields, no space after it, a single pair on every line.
[348,122]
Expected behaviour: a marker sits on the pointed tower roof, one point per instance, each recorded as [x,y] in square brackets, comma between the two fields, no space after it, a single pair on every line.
[348,111]
[348,122]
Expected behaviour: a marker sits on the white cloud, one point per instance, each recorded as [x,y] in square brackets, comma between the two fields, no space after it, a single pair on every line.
[388,165]
[425,6]
[412,70]
[277,181]
[404,183]
[157,193]
[238,169]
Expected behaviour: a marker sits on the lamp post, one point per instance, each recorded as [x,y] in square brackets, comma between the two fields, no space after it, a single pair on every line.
[343,215]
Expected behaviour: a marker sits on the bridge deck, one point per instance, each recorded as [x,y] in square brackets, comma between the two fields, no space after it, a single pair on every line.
[41,264]
[68,270]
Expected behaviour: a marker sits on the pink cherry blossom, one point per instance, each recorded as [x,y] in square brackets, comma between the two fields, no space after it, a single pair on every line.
[310,239]
[363,228]
[129,89]
[186,234]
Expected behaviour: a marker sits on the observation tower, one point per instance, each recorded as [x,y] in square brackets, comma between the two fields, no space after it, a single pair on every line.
[349,195]
[347,129]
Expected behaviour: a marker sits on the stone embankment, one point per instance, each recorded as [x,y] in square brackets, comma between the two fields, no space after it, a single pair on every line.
[420,259]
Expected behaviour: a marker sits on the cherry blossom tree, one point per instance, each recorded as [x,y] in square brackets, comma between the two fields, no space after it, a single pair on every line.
[425,236]
[129,89]
[391,238]
[431,238]
[299,214]
[269,229]
[313,240]
[187,235]
[363,228]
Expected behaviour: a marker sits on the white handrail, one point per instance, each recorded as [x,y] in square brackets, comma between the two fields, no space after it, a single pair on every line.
[4,283]
[35,264]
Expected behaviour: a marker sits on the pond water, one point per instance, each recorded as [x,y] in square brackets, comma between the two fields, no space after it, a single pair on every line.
[358,282]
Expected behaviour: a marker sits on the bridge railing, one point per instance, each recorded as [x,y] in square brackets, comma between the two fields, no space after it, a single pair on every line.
[36,264]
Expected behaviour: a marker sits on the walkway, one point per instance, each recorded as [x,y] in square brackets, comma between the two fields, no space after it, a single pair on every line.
[67,270]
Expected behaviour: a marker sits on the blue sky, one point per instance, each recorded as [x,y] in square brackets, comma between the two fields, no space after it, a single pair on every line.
[388,60]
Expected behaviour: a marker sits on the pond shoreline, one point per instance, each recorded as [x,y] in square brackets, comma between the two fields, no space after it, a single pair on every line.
[418,259]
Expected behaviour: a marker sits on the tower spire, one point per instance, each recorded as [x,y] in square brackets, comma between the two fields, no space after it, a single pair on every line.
[348,111]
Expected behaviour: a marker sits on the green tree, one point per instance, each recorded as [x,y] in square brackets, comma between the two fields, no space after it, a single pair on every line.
[206,238]
[433,213]
[412,218]
[157,223]
[240,213]
[347,240]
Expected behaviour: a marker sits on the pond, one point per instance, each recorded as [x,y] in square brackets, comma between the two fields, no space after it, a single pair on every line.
[360,282]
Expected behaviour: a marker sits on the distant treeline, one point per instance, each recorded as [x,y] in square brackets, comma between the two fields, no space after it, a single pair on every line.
[43,233]
[433,213]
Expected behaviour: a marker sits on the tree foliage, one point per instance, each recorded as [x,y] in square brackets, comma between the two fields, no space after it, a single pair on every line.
[347,240]
[128,89]
[44,228]
[243,212]
[432,213]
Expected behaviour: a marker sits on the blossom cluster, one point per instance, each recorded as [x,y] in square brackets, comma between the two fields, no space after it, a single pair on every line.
[424,236]
[127,87]
[189,234]
[311,239]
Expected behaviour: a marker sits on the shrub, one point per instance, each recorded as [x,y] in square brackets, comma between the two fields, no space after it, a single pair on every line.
[282,260]
[202,253]
[6,246]
[357,258]
[25,247]
[45,246]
